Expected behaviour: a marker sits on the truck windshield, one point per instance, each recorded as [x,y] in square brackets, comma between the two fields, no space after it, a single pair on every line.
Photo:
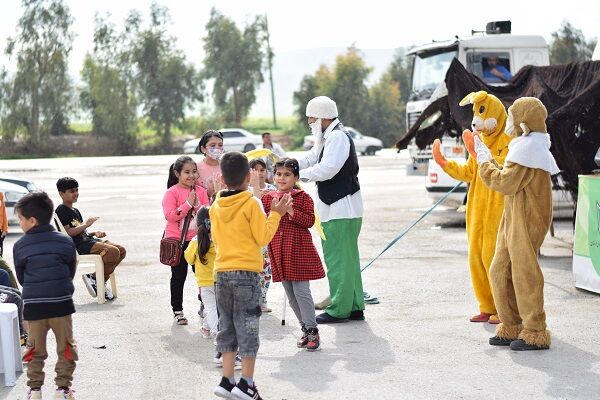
[428,71]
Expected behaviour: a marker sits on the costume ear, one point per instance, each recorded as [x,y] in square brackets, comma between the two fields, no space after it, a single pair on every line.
[479,96]
[468,99]
[525,128]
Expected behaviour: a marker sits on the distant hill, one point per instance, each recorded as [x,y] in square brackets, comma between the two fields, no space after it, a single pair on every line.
[290,67]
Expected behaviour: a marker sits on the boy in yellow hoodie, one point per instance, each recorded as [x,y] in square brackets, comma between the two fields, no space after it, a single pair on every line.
[239,230]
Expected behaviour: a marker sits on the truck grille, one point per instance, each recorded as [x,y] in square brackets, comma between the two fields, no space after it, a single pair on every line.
[412,118]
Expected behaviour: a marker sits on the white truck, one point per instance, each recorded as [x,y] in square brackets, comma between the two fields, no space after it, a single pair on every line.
[431,62]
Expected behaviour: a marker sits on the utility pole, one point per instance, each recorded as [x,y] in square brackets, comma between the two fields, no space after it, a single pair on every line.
[270,64]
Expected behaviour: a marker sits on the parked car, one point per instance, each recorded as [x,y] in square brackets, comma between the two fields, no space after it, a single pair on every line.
[234,139]
[26,183]
[365,145]
[12,193]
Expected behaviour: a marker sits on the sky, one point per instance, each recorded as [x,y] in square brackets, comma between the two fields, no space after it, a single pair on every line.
[308,24]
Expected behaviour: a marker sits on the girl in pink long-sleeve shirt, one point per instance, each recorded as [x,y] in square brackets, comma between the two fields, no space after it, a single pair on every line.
[182,195]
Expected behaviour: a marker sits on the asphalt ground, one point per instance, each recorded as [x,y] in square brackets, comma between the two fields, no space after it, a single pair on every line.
[416,344]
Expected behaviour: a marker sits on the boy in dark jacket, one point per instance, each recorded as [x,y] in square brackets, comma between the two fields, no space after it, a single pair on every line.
[45,263]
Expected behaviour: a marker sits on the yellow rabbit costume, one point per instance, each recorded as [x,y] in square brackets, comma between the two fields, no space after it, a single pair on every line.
[484,206]
[517,280]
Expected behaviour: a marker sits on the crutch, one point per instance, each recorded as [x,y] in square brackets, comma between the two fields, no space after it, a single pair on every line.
[284,307]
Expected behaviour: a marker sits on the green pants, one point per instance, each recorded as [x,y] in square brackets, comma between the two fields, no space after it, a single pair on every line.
[340,250]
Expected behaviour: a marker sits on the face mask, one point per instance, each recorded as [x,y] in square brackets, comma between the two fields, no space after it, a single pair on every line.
[214,153]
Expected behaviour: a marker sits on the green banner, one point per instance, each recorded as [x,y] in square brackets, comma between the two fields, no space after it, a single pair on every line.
[587,223]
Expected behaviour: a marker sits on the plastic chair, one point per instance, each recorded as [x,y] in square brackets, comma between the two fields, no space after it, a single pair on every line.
[10,346]
[95,259]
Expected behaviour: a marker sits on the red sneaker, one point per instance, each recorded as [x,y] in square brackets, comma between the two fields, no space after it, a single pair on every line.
[481,317]
[313,339]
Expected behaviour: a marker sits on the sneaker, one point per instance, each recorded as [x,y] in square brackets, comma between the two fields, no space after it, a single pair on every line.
[245,392]
[34,394]
[219,360]
[264,308]
[90,284]
[313,340]
[303,341]
[223,389]
[108,294]
[180,319]
[64,394]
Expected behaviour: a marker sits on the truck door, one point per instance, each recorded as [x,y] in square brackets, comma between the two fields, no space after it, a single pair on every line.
[524,56]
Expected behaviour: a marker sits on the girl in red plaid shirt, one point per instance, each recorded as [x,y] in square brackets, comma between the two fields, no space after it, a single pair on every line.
[294,258]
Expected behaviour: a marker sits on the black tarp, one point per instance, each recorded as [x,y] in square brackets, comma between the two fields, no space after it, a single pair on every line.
[570,92]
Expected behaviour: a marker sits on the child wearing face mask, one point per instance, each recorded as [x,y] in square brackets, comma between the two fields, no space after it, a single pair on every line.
[209,173]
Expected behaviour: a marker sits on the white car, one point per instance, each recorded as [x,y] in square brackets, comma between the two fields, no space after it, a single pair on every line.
[12,193]
[234,139]
[366,145]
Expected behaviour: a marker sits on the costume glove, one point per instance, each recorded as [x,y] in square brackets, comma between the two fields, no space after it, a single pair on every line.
[437,154]
[483,153]
[467,137]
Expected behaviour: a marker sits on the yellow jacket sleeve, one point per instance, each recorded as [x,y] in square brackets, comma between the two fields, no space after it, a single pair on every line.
[507,180]
[263,233]
[462,172]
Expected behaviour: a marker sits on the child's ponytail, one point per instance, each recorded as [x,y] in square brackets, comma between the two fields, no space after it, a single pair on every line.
[203,224]
[177,166]
[172,179]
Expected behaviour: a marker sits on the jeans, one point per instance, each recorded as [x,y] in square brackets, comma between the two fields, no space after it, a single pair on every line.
[238,303]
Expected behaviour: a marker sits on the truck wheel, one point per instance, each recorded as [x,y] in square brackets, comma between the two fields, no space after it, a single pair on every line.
[249,147]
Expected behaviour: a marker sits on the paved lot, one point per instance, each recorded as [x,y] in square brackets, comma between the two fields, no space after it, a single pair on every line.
[416,344]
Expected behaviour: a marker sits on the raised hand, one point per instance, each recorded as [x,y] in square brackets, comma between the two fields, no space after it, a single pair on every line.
[483,153]
[90,221]
[282,205]
[192,198]
[467,137]
[437,154]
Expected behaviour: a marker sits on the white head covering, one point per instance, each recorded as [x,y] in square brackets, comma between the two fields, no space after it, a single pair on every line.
[322,107]
[533,151]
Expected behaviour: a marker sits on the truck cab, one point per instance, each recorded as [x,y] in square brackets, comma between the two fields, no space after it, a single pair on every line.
[496,47]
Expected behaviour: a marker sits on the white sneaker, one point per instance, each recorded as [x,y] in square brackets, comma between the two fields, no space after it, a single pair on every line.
[64,394]
[108,294]
[34,394]
[219,360]
[90,284]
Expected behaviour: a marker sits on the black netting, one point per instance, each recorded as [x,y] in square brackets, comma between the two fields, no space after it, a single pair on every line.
[570,92]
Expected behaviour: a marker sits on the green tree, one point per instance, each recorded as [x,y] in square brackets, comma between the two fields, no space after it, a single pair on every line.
[400,70]
[386,116]
[345,84]
[234,59]
[168,84]
[569,45]
[40,92]
[108,92]
[349,89]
